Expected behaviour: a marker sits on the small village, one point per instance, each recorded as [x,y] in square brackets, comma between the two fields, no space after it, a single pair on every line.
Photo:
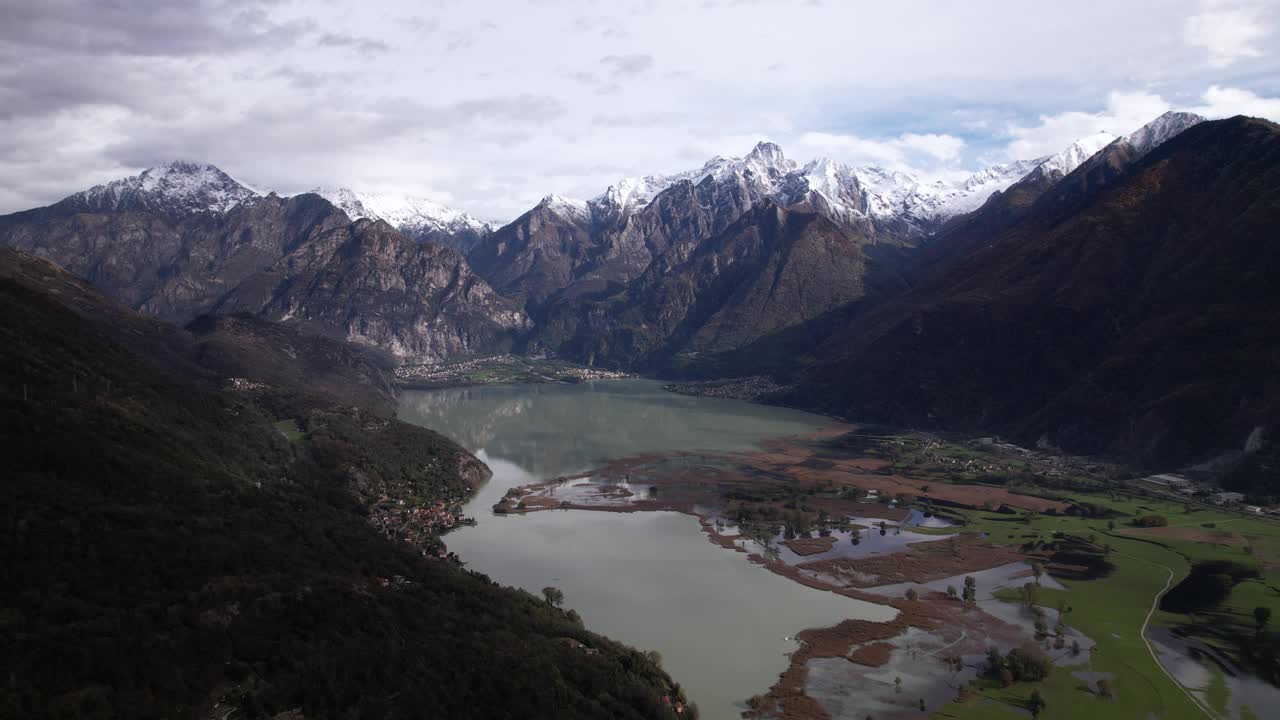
[418,525]
[500,369]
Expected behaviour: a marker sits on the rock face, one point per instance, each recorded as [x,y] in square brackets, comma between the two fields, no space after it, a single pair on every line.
[566,250]
[166,243]
[1134,315]
[770,270]
[313,371]
[366,283]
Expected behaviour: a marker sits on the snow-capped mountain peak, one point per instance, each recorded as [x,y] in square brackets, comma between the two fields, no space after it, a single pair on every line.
[1062,163]
[825,175]
[842,191]
[632,193]
[569,207]
[1155,133]
[400,210]
[178,187]
[418,218]
[768,155]
[852,193]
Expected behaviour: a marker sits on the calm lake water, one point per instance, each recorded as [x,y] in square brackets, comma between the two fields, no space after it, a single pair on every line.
[652,580]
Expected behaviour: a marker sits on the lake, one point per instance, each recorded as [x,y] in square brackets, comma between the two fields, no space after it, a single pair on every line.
[723,625]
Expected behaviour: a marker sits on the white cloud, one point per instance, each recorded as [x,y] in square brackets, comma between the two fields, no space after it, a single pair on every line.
[1220,102]
[472,101]
[946,148]
[1230,31]
[1124,113]
[904,152]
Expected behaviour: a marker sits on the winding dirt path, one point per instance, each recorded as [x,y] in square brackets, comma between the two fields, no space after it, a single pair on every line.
[1155,602]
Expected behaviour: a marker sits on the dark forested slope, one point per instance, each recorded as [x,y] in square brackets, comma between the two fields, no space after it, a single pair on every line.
[167,552]
[1136,316]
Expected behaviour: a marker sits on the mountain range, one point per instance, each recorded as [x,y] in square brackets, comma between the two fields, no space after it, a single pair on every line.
[865,288]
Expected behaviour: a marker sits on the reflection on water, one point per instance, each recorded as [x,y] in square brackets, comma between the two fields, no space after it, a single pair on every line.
[556,429]
[722,624]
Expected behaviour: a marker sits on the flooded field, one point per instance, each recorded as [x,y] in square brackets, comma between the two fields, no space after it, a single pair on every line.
[723,625]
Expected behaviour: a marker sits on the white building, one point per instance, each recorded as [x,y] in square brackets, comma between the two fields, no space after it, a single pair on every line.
[1227,498]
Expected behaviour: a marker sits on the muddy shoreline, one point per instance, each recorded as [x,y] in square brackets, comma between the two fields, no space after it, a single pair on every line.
[703,485]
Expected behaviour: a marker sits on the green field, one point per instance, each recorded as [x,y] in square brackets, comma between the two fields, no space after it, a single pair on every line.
[1112,610]
[289,428]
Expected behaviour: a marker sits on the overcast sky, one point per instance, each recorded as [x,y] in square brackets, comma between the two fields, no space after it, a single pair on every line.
[489,105]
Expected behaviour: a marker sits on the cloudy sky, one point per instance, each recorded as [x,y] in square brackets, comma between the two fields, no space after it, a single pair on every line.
[490,104]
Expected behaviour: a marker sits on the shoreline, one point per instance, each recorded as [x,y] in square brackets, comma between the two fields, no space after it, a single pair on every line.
[627,485]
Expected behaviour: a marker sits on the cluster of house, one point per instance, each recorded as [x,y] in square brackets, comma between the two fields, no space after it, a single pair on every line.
[1047,461]
[395,581]
[586,373]
[449,371]
[673,703]
[418,525]
[579,646]
[466,369]
[240,384]
[1173,484]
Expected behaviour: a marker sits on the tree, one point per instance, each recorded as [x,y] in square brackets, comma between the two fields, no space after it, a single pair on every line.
[1030,595]
[1027,663]
[970,590]
[1261,616]
[1111,524]
[1036,703]
[995,660]
[1042,627]
[553,596]
[952,592]
[1105,688]
[1147,521]
[922,705]
[912,594]
[897,684]
[1037,569]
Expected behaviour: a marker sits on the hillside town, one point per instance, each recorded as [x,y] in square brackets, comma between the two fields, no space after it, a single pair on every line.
[418,525]
[500,369]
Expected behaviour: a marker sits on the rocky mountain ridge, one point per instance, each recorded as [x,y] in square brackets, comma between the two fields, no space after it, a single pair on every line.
[297,258]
